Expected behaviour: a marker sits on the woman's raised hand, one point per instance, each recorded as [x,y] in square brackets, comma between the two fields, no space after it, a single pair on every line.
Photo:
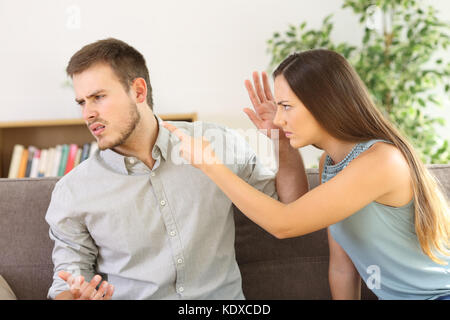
[264,104]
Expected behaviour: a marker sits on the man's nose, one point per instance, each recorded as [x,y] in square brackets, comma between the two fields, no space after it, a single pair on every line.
[89,112]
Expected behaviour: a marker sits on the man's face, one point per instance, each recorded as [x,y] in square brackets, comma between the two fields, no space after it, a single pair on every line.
[109,111]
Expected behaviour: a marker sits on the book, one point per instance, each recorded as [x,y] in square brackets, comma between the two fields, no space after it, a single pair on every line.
[56,160]
[35,164]
[23,164]
[85,153]
[49,163]
[15,161]
[42,162]
[31,151]
[78,157]
[63,162]
[73,148]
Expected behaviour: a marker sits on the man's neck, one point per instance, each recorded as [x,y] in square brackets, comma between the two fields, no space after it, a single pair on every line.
[141,141]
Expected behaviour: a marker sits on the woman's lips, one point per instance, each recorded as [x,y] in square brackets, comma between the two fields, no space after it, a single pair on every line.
[288,134]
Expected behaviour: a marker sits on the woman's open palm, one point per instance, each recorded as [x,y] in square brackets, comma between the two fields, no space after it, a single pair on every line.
[264,104]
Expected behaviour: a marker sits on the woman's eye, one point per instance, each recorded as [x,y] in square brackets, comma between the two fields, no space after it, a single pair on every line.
[286,107]
[98,97]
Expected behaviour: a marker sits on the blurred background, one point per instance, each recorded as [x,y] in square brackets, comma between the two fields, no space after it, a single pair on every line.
[199,52]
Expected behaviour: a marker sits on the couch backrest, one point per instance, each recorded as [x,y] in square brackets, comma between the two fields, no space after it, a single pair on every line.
[26,249]
[271,269]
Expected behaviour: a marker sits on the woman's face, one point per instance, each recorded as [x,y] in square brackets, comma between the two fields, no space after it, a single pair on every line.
[298,124]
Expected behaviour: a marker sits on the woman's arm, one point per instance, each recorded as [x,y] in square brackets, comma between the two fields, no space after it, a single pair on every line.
[291,180]
[365,179]
[344,279]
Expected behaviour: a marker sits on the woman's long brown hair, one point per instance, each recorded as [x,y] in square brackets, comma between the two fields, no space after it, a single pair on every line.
[335,95]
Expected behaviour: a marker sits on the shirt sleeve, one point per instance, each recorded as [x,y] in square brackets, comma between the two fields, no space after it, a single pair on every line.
[74,250]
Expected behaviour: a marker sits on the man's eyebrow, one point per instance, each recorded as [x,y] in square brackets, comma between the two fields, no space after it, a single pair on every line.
[91,95]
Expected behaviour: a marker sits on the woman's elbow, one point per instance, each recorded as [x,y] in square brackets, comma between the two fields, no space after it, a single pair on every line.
[285,232]
[279,235]
[283,226]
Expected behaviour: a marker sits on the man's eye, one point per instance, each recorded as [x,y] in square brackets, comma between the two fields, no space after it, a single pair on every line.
[99,97]
[286,107]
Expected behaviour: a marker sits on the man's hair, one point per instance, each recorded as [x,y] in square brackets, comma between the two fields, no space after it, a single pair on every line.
[125,61]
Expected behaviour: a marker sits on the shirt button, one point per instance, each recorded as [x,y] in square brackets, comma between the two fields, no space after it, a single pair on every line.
[152,174]
[173,233]
[180,289]
[155,153]
[163,203]
[132,161]
[180,261]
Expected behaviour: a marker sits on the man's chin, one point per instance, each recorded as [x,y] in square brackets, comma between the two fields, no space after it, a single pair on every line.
[103,145]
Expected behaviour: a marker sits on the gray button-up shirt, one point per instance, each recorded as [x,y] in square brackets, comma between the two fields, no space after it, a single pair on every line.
[161,233]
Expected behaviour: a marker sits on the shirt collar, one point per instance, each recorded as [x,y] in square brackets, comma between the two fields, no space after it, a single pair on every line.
[163,139]
[123,164]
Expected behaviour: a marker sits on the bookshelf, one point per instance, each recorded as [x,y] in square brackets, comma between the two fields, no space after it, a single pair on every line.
[48,133]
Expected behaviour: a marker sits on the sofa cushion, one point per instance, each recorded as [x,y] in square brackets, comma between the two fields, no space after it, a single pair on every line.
[294,268]
[25,257]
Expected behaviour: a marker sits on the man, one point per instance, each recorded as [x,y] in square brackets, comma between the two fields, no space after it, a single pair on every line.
[132,214]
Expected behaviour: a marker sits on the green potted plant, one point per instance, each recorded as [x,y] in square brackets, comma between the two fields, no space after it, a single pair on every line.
[398,60]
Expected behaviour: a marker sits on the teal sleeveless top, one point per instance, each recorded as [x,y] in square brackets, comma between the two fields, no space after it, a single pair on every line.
[382,244]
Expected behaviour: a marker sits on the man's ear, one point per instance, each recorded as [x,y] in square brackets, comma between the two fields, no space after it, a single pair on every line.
[139,90]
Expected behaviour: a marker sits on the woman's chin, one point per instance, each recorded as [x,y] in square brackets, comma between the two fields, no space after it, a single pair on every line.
[295,143]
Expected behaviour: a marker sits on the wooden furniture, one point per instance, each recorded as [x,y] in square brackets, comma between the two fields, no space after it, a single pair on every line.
[49,133]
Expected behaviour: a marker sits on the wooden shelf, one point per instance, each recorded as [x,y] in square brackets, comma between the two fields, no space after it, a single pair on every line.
[49,133]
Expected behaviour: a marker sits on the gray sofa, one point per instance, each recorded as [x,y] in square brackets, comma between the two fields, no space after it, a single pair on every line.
[294,268]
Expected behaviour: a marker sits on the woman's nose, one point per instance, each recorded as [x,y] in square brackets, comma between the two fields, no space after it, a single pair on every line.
[278,120]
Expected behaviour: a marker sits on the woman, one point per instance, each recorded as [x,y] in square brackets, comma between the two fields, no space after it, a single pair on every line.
[384,210]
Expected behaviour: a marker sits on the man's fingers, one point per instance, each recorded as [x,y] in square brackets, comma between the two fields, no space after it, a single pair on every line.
[76,286]
[258,87]
[266,85]
[109,292]
[77,283]
[101,291]
[65,275]
[88,291]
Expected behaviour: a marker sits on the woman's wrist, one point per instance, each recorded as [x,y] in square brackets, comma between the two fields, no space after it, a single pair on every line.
[283,146]
[210,169]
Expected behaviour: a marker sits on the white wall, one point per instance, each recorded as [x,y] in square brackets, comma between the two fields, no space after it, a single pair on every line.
[199,52]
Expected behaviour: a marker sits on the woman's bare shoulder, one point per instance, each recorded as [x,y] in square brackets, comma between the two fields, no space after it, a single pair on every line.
[389,157]
[394,167]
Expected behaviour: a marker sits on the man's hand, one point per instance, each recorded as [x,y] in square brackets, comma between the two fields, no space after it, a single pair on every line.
[264,104]
[82,290]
